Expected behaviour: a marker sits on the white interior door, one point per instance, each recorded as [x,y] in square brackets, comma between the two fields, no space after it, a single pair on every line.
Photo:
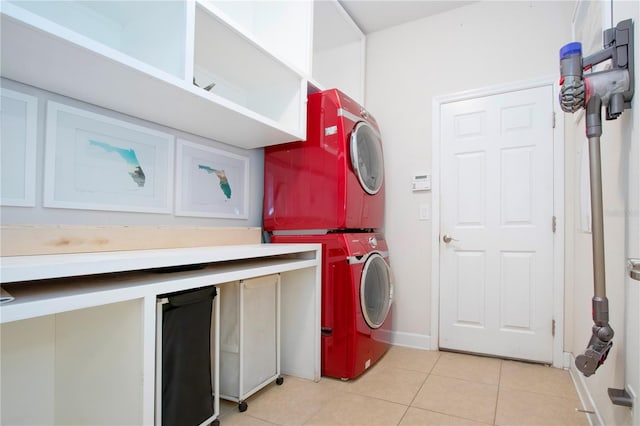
[496,204]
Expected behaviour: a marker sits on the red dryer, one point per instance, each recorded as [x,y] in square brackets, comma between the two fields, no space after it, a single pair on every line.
[357,293]
[334,179]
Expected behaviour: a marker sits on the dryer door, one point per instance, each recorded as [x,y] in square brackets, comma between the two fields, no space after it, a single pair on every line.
[366,157]
[376,290]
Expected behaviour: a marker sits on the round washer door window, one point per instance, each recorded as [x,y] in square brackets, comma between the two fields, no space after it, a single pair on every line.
[376,290]
[366,157]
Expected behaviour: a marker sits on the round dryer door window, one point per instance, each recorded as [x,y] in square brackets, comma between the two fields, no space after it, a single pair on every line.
[376,290]
[366,157]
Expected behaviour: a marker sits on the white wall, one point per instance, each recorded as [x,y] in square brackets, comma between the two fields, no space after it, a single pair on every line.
[632,294]
[484,44]
[41,215]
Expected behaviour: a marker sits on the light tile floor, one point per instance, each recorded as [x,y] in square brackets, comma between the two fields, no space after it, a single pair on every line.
[416,387]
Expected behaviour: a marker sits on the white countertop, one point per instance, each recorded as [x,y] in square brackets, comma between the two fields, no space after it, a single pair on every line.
[38,267]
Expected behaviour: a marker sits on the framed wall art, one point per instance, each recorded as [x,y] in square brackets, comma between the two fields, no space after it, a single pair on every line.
[18,129]
[97,162]
[211,182]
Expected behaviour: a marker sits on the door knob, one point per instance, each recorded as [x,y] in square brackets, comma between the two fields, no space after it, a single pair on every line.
[448,238]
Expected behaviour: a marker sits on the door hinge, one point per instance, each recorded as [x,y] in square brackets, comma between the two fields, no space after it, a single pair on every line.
[553,328]
[554,224]
[553,120]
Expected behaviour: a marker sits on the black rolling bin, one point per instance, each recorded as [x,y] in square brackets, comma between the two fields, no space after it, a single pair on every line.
[185,395]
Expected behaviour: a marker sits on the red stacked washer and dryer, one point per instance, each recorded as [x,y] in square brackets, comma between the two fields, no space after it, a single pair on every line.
[329,189]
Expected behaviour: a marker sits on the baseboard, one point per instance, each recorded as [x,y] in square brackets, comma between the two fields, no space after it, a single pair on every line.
[410,340]
[586,400]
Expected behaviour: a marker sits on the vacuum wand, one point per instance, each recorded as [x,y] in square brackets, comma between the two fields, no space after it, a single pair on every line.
[614,89]
[602,334]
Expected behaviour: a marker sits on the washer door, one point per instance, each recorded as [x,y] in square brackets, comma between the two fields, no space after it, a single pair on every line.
[376,290]
[366,157]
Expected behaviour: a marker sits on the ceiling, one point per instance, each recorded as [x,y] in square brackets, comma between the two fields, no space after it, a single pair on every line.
[376,15]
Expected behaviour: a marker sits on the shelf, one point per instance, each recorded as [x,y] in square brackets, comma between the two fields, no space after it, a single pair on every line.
[105,68]
[282,27]
[245,74]
[338,50]
[155,36]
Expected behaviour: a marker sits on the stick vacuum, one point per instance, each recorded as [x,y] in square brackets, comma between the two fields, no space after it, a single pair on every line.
[614,89]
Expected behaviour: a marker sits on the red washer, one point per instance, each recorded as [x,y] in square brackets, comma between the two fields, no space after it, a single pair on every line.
[357,293]
[334,179]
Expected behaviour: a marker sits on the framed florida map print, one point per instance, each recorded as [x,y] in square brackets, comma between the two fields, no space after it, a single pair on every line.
[211,182]
[97,162]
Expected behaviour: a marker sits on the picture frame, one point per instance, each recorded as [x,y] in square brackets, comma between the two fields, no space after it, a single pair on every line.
[18,133]
[211,182]
[95,162]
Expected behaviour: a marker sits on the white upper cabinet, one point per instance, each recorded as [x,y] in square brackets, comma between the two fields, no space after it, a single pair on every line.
[143,58]
[338,50]
[235,71]
[153,35]
[246,74]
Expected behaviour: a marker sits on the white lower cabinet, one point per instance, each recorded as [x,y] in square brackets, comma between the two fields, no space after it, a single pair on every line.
[78,367]
[81,344]
[249,337]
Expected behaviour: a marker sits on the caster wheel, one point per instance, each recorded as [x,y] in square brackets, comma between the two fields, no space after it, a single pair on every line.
[242,407]
[279,381]
[216,422]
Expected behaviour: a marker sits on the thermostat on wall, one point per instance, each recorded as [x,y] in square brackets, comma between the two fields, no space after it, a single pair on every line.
[421,182]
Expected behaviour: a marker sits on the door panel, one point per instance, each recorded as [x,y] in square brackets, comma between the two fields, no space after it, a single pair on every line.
[496,275]
[470,286]
[470,188]
[516,286]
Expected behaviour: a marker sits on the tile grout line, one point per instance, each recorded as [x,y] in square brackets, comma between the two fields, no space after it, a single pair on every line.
[403,415]
[423,383]
[421,386]
[495,411]
[425,380]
